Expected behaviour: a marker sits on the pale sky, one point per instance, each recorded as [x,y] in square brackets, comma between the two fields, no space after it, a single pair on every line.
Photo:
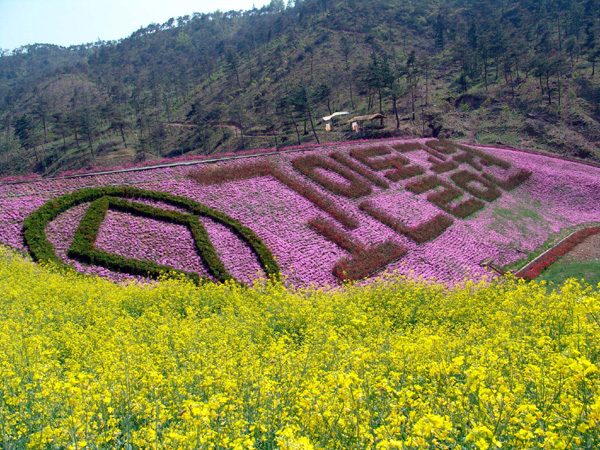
[72,22]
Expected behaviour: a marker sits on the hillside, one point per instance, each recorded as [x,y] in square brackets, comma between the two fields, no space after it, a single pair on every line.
[324,215]
[222,82]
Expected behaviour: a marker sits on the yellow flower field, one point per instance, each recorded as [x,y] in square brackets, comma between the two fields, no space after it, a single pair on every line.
[88,364]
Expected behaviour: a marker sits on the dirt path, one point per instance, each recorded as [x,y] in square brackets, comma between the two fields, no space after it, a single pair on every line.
[580,246]
[179,124]
[236,130]
[233,128]
[588,250]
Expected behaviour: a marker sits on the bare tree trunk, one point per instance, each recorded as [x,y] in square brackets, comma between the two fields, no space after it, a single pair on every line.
[349,79]
[7,129]
[123,136]
[497,66]
[89,136]
[313,126]
[485,72]
[275,137]
[559,33]
[44,151]
[77,139]
[427,84]
[380,108]
[413,101]
[512,86]
[422,117]
[44,125]
[559,86]
[295,127]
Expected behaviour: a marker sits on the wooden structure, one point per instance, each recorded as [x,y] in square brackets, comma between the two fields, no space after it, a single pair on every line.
[371,117]
[365,118]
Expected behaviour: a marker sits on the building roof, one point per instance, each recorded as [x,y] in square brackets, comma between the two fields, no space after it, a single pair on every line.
[335,114]
[364,118]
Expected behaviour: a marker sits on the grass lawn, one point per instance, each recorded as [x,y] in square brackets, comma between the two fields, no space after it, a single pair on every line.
[560,271]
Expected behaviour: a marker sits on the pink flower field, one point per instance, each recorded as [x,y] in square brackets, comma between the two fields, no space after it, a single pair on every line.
[423,208]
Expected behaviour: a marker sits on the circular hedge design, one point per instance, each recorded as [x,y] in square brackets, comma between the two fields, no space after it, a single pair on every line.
[116,197]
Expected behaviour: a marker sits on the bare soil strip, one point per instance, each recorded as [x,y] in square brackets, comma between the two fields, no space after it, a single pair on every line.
[580,245]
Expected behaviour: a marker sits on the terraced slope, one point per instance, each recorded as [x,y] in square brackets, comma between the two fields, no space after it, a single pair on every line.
[347,212]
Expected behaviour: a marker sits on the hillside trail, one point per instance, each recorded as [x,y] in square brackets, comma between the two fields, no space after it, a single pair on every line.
[237,131]
[588,250]
[179,124]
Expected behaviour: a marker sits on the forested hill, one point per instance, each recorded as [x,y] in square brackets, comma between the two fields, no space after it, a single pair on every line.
[520,73]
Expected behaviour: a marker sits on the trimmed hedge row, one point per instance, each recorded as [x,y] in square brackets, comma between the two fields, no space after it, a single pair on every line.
[333,233]
[441,166]
[408,147]
[401,166]
[403,169]
[354,188]
[364,265]
[464,179]
[367,155]
[255,170]
[512,181]
[444,197]
[344,159]
[364,261]
[450,148]
[468,158]
[102,198]
[486,158]
[435,153]
[443,146]
[87,231]
[420,234]
[424,184]
[440,147]
[216,175]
